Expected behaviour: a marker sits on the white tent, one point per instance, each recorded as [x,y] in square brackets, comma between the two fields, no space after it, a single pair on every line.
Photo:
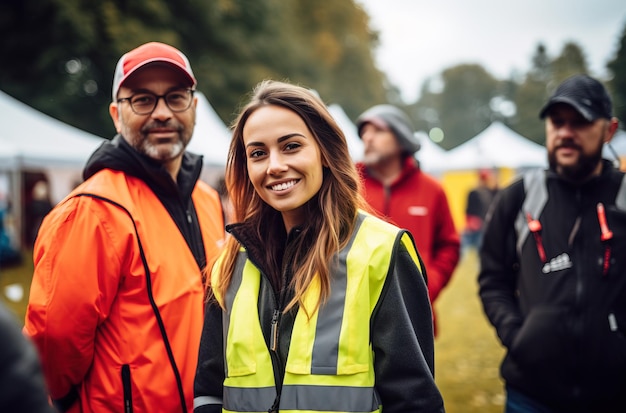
[211,139]
[431,156]
[497,147]
[355,144]
[33,141]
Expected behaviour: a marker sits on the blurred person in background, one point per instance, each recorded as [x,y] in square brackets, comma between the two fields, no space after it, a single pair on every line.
[37,209]
[553,270]
[479,200]
[22,386]
[117,297]
[396,187]
[9,254]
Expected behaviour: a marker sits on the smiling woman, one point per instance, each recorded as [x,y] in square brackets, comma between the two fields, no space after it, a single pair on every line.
[303,262]
[284,161]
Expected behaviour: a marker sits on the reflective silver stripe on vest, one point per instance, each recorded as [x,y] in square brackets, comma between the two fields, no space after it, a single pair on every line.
[324,355]
[231,292]
[326,345]
[237,399]
[620,200]
[534,202]
[205,400]
[329,399]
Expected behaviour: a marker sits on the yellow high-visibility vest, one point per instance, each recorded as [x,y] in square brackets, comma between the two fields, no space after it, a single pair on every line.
[330,366]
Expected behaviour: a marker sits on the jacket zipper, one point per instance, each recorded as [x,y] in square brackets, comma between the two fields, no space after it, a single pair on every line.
[580,291]
[128,394]
[275,327]
[274,355]
[605,237]
[274,330]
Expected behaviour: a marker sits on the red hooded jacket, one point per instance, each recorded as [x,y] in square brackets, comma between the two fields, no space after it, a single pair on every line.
[417,202]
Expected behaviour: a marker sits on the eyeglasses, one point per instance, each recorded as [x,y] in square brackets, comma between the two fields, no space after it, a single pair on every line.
[144,103]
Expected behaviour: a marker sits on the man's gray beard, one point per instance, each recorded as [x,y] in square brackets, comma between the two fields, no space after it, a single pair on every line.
[374,159]
[153,152]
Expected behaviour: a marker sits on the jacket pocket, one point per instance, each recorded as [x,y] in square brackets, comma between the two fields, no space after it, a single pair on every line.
[543,325]
[128,392]
[242,349]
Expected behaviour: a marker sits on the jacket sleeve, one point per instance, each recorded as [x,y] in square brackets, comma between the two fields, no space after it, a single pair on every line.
[499,262]
[77,273]
[402,320]
[23,388]
[446,249]
[209,381]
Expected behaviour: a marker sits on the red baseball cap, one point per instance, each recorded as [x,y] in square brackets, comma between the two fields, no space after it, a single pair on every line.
[152,52]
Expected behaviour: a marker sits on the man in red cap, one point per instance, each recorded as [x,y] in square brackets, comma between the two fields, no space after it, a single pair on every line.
[116,302]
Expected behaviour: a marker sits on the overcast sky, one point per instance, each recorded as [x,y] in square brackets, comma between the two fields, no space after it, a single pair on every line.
[420,38]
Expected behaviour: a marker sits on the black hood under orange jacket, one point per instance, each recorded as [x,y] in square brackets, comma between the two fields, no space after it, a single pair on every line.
[118,155]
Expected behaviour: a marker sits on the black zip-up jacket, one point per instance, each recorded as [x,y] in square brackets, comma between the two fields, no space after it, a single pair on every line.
[118,155]
[559,308]
[404,299]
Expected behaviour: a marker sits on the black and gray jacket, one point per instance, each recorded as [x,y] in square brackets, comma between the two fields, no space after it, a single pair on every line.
[23,386]
[553,284]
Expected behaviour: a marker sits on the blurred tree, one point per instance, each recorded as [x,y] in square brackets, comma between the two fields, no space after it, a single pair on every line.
[425,111]
[541,80]
[617,84]
[335,49]
[570,62]
[464,106]
[59,57]
[61,54]
[530,96]
[464,99]
[49,59]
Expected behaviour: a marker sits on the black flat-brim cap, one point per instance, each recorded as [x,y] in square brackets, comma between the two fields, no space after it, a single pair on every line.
[585,94]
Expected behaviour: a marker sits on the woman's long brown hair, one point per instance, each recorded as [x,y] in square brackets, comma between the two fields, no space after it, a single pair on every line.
[331,214]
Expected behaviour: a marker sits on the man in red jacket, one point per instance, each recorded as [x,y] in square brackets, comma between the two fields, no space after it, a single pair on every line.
[402,193]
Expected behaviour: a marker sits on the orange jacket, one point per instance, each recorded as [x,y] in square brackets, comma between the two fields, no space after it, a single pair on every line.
[90,313]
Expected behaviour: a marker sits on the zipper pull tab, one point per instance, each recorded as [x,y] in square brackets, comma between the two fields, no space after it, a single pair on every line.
[535,227]
[274,331]
[607,234]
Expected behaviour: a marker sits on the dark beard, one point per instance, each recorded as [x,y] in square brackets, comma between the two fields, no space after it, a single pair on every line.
[581,171]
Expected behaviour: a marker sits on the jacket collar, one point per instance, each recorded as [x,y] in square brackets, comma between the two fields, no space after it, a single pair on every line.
[409,168]
[119,155]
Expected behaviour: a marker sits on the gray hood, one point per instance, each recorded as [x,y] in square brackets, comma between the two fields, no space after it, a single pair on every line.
[396,120]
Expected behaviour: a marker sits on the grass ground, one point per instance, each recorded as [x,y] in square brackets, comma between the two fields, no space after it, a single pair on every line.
[467,352]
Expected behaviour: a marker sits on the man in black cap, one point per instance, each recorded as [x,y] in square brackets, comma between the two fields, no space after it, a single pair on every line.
[553,270]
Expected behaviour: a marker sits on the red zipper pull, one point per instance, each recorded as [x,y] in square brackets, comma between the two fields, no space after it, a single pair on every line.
[607,234]
[533,224]
[535,227]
